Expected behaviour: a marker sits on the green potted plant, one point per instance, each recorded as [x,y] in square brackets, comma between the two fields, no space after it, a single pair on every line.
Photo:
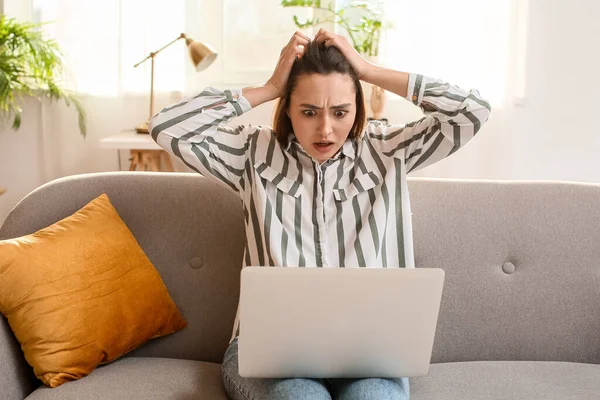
[365,35]
[30,66]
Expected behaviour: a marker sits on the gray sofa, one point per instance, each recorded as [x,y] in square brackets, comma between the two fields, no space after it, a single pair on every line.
[520,314]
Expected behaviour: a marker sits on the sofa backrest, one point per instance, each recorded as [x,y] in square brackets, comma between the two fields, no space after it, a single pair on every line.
[522,259]
[522,262]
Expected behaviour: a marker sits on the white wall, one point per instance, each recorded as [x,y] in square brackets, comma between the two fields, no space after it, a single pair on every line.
[553,135]
[557,133]
[20,161]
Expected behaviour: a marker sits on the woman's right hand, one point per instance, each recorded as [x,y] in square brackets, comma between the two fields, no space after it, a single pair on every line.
[294,48]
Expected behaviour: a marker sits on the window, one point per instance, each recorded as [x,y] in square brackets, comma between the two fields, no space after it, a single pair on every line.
[102,41]
[471,43]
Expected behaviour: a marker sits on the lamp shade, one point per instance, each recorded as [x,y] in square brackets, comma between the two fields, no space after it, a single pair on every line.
[202,54]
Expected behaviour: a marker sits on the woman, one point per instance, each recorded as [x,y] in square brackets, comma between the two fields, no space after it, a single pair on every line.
[321,188]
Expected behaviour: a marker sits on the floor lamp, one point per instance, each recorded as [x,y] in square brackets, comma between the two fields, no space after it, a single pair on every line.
[202,56]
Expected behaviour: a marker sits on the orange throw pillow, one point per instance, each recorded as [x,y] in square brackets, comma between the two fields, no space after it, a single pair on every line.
[81,292]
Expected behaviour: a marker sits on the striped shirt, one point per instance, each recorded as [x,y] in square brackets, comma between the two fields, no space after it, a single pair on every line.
[350,211]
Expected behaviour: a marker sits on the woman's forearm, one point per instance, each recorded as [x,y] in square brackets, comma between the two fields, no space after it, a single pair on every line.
[256,95]
[388,79]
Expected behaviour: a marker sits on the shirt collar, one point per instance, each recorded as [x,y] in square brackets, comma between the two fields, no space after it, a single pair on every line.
[348,149]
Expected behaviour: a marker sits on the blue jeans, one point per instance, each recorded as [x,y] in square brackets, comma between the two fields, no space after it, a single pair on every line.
[239,388]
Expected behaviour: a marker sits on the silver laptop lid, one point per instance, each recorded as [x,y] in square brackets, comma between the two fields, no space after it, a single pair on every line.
[338,322]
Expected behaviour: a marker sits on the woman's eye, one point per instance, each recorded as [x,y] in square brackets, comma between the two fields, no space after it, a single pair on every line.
[312,113]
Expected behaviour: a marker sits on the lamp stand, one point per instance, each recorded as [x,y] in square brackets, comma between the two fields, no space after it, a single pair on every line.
[143,128]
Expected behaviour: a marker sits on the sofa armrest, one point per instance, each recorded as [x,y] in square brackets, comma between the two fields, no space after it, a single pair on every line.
[17,380]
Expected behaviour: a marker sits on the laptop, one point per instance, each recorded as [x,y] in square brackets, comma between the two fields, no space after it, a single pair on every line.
[337,322]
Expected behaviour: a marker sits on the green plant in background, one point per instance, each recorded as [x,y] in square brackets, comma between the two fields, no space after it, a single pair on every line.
[365,35]
[30,65]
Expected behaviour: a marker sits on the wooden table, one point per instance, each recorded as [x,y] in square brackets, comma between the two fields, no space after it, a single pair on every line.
[145,154]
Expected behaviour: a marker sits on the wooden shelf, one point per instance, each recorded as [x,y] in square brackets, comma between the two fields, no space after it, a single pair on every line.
[149,160]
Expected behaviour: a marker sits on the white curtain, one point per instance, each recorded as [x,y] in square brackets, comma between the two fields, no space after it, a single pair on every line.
[102,40]
[471,43]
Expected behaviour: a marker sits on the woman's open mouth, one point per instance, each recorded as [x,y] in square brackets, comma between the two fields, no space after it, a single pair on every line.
[323,147]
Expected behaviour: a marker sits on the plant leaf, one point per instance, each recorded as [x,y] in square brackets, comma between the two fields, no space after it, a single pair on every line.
[17,121]
[31,65]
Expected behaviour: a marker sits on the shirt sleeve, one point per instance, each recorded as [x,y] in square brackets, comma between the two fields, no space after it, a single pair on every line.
[194,131]
[452,117]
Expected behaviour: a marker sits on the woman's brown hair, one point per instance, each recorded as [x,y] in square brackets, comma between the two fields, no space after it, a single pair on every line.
[318,59]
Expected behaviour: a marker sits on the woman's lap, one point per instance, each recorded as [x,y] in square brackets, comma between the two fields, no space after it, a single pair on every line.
[239,388]
[370,388]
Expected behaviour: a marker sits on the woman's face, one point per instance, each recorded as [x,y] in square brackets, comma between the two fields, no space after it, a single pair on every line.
[322,110]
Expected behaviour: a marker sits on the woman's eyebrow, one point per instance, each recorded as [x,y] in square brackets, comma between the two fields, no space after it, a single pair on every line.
[312,106]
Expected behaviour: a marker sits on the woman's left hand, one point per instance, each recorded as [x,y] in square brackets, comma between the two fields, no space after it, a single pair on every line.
[358,63]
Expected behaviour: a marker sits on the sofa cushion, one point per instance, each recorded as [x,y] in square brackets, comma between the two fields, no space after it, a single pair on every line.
[145,378]
[81,292]
[508,380]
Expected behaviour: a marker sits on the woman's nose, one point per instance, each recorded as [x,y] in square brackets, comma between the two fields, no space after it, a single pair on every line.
[325,127]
